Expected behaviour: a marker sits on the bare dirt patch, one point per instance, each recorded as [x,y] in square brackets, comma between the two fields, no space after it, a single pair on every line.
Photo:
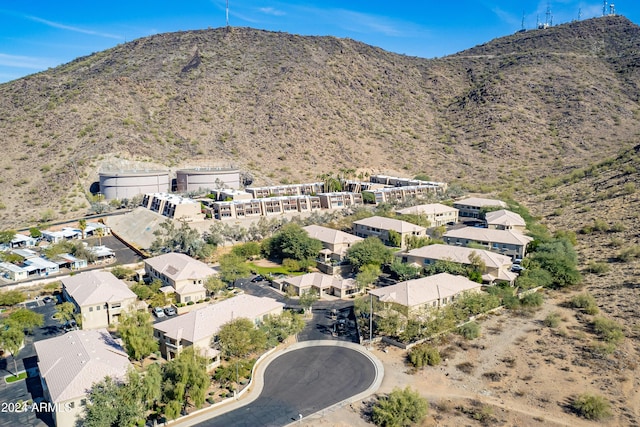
[524,373]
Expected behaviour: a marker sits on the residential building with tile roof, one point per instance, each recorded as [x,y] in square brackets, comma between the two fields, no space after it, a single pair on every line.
[380,227]
[471,206]
[71,364]
[198,328]
[505,220]
[437,213]
[421,295]
[496,265]
[323,284]
[99,296]
[183,273]
[507,242]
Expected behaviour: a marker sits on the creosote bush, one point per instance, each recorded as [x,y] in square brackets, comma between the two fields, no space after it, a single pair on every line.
[591,406]
[552,320]
[424,355]
[469,330]
[586,302]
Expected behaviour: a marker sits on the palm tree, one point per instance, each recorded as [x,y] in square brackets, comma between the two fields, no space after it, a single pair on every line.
[82,225]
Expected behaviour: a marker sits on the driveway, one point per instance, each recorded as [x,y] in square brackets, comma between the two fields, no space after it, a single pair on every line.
[306,379]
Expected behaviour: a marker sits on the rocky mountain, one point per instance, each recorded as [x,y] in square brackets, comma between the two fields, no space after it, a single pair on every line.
[286,108]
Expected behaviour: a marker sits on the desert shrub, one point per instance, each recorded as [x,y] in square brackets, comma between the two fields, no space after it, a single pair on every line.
[552,320]
[617,227]
[586,302]
[598,267]
[616,242]
[630,253]
[608,330]
[591,406]
[534,299]
[424,355]
[13,297]
[123,273]
[466,367]
[469,330]
[399,409]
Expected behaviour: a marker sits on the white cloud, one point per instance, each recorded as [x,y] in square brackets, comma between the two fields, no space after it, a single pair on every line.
[70,28]
[28,62]
[271,11]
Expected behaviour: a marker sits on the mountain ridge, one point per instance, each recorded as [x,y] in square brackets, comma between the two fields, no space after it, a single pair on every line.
[287,108]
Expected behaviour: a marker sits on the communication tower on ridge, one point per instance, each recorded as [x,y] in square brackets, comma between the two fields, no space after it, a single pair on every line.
[227,13]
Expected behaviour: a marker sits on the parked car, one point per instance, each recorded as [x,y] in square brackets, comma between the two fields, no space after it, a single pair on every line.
[158,312]
[517,268]
[257,278]
[47,299]
[70,325]
[170,311]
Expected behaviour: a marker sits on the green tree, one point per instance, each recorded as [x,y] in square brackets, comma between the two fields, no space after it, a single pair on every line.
[185,381]
[112,404]
[184,239]
[214,284]
[7,236]
[9,298]
[292,241]
[369,251]
[233,267]
[470,330]
[405,271]
[239,337]
[26,319]
[65,311]
[82,225]
[445,266]
[143,291]
[248,250]
[278,328]
[395,239]
[146,387]
[401,408]
[389,324]
[35,232]
[11,339]
[367,275]
[307,299]
[136,330]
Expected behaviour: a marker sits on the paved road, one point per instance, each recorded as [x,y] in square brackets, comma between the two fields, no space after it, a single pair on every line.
[303,381]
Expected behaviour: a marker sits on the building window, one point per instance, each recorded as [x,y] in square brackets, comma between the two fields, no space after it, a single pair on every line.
[116,305]
[71,405]
[83,402]
[97,307]
[91,309]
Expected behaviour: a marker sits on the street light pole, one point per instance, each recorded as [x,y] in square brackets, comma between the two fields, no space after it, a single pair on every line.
[371,319]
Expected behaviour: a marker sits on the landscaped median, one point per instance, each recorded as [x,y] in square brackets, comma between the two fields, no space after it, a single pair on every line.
[15,378]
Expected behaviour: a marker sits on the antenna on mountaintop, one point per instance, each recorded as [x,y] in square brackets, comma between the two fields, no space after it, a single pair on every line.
[548,21]
[604,8]
[522,28]
[227,13]
[579,14]
[612,9]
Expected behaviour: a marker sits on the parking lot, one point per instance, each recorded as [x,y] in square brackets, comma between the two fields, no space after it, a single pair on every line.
[26,359]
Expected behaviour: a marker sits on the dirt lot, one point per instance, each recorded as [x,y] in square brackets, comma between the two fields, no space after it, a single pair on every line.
[518,373]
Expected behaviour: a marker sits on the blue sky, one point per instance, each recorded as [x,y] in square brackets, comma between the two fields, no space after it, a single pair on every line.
[39,34]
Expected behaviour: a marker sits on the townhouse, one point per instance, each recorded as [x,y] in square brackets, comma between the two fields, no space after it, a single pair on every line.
[507,242]
[382,228]
[437,213]
[184,275]
[199,328]
[99,297]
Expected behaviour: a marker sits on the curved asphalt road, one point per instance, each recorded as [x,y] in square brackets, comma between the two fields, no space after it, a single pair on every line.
[303,381]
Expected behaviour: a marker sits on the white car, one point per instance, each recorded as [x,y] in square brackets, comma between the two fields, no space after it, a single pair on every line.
[158,312]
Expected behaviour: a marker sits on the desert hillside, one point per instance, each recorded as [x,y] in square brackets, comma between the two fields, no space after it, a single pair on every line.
[287,108]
